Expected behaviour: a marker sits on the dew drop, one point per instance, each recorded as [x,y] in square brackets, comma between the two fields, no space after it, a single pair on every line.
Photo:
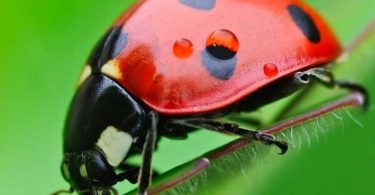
[183,48]
[223,38]
[270,70]
[222,44]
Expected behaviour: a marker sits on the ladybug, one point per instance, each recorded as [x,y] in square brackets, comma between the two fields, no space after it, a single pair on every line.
[170,67]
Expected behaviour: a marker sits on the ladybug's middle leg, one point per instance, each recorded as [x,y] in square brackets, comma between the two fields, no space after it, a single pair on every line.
[231,129]
[142,174]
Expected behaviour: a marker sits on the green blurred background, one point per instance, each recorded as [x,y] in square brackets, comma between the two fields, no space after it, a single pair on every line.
[43,45]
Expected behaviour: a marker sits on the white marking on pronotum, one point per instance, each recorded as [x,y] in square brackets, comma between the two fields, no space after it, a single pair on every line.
[115,144]
[86,72]
[111,69]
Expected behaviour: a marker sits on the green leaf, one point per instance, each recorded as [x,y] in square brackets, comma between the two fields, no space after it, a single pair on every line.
[43,45]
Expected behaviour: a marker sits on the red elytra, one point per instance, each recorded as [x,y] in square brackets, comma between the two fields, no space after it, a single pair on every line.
[266,34]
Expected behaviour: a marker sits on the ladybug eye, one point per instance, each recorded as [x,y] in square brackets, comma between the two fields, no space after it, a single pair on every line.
[222,44]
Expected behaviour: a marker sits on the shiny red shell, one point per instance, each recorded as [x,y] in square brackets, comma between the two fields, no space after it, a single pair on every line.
[271,46]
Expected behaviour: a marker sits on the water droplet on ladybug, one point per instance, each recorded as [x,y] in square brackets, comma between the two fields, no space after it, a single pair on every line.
[183,48]
[270,70]
[222,44]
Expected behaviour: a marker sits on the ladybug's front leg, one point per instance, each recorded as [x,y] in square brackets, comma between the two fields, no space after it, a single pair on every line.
[145,173]
[325,77]
[356,88]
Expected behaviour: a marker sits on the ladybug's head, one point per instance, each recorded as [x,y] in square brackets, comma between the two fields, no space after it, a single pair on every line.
[88,172]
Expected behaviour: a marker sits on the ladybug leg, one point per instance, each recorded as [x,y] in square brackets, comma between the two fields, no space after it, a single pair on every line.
[70,191]
[131,173]
[238,117]
[357,88]
[351,100]
[231,129]
[145,173]
[113,191]
[174,132]
[325,77]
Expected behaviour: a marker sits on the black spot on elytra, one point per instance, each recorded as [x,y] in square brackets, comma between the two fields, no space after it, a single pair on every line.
[200,4]
[219,68]
[110,45]
[305,23]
